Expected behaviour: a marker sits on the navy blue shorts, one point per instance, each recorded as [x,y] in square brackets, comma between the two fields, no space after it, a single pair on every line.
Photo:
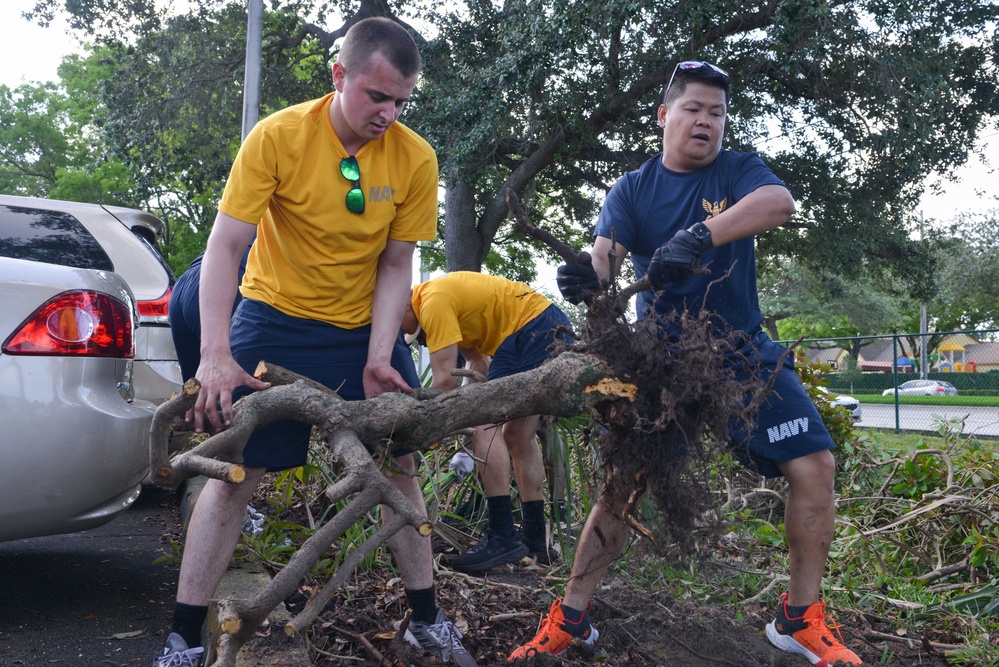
[788,425]
[317,350]
[185,321]
[527,348]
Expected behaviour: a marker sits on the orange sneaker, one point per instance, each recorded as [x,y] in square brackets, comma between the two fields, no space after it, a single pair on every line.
[552,637]
[810,636]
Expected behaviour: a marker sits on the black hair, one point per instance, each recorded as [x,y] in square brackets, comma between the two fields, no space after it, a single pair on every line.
[703,74]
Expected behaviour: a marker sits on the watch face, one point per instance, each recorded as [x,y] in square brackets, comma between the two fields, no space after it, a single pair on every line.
[700,231]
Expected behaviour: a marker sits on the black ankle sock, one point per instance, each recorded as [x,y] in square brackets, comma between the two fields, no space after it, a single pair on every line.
[534,522]
[795,612]
[187,622]
[501,515]
[576,622]
[423,602]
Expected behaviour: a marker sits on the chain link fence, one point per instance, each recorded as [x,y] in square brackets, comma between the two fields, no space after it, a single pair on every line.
[916,382]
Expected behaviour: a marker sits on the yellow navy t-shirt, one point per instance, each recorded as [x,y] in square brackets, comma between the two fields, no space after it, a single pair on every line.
[312,257]
[474,310]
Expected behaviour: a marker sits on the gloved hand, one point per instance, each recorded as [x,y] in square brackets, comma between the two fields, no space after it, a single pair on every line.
[578,281]
[676,259]
[462,464]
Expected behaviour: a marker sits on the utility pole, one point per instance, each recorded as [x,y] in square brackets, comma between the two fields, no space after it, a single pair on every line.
[251,69]
[923,357]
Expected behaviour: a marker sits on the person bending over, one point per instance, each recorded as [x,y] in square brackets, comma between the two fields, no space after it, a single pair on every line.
[500,327]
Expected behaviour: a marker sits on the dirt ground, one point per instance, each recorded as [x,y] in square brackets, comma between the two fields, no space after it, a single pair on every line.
[637,627]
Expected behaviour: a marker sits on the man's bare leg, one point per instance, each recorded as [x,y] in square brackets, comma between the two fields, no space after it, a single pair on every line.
[600,544]
[212,535]
[412,551]
[494,459]
[501,543]
[808,520]
[526,455]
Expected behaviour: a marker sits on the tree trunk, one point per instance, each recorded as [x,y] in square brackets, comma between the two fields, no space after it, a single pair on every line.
[462,240]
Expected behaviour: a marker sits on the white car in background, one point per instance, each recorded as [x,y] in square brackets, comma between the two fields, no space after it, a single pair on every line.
[86,356]
[849,403]
[923,388]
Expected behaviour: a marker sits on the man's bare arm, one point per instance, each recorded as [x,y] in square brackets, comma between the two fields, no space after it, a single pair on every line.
[601,257]
[763,209]
[442,362]
[476,361]
[219,373]
[393,286]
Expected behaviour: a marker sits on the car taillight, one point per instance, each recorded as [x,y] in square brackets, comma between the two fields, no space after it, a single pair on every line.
[77,323]
[155,312]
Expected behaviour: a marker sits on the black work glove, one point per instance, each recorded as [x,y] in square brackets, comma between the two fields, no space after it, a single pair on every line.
[578,281]
[676,259]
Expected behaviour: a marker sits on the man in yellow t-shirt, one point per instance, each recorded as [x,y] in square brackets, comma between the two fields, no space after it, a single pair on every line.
[500,327]
[338,194]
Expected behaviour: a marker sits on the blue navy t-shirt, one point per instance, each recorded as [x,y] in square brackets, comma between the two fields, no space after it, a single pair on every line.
[648,206]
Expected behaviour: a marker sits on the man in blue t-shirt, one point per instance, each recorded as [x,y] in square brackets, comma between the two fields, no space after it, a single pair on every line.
[699,204]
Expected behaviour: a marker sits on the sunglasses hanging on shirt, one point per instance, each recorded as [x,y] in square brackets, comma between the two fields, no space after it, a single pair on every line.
[350,170]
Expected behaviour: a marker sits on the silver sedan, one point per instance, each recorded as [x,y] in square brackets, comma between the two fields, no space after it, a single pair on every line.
[125,241]
[73,445]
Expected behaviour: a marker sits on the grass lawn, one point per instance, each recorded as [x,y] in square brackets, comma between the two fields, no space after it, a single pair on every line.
[971,401]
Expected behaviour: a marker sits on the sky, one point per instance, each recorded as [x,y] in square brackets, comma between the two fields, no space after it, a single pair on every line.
[27,51]
[973,188]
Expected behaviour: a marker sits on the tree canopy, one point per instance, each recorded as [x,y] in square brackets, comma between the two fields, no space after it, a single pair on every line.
[852,102]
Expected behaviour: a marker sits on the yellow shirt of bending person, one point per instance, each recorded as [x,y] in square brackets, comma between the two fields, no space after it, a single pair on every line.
[474,310]
[312,257]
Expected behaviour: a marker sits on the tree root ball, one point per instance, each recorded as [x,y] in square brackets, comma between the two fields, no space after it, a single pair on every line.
[689,403]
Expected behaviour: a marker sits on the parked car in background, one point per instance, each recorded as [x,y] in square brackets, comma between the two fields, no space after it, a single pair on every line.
[108,238]
[923,388]
[849,403]
[74,441]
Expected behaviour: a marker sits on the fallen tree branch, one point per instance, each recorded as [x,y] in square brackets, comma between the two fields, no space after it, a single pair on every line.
[568,385]
[942,572]
[936,646]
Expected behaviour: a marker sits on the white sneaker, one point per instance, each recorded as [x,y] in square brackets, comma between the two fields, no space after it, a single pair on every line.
[442,638]
[177,654]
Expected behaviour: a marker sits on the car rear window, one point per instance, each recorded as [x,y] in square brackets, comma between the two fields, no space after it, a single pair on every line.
[155,252]
[53,237]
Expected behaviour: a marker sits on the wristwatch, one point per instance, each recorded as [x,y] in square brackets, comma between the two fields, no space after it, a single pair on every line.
[701,233]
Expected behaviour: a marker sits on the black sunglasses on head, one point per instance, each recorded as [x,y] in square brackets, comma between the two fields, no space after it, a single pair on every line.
[694,64]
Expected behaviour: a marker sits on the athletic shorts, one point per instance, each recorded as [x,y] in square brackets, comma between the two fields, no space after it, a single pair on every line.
[185,322]
[527,348]
[788,425]
[328,354]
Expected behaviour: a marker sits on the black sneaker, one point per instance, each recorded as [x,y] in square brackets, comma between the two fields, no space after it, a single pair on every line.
[491,551]
[177,654]
[540,550]
[544,553]
[442,638]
